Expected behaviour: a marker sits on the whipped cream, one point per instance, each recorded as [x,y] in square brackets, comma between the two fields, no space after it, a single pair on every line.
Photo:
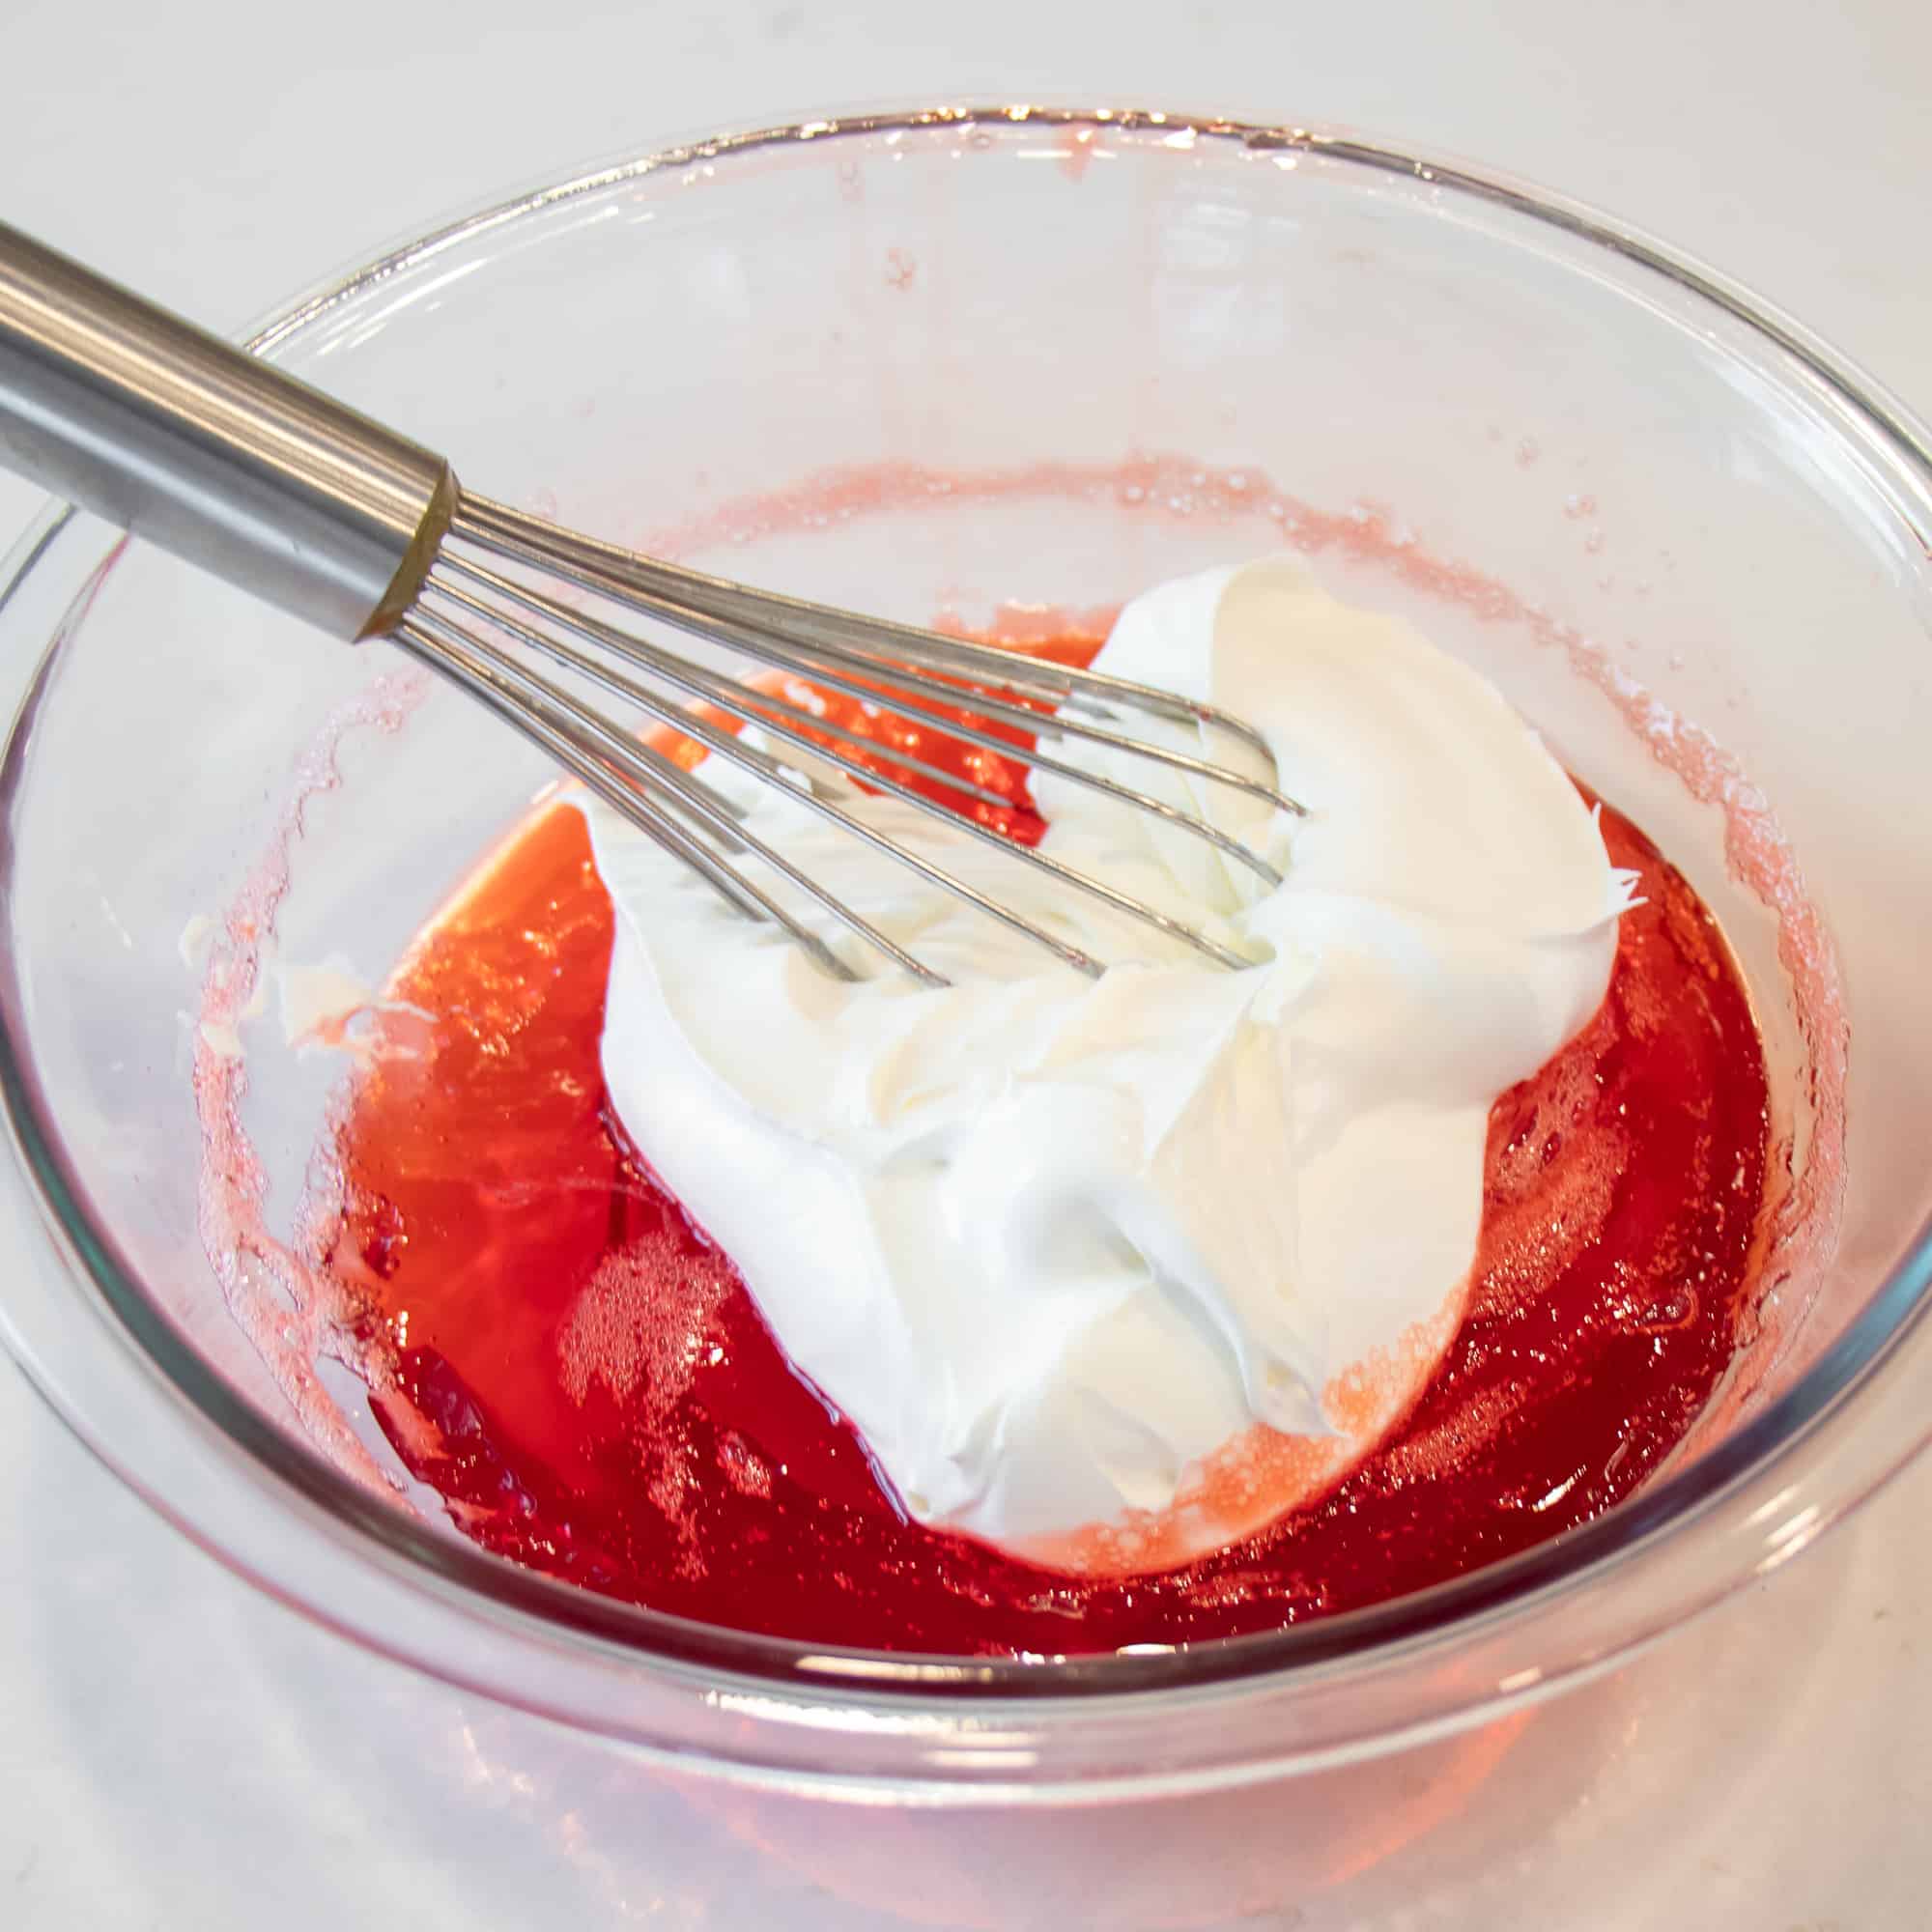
[1110,1272]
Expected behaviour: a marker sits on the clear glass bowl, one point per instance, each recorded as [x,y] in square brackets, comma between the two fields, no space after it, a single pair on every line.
[1052,356]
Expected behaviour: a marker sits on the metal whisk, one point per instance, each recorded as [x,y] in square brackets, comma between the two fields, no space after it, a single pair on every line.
[250,473]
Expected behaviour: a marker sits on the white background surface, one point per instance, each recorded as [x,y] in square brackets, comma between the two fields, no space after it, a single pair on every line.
[176,1752]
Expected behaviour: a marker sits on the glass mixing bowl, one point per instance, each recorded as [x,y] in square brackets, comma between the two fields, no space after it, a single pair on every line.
[1033,355]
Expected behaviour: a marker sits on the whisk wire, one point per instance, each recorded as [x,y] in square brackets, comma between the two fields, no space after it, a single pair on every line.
[734,700]
[572,554]
[789,634]
[759,647]
[727,745]
[631,779]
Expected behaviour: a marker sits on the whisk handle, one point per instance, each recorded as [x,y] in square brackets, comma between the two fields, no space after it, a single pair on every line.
[214,455]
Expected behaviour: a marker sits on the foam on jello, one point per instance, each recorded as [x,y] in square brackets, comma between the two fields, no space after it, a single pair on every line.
[1109,1272]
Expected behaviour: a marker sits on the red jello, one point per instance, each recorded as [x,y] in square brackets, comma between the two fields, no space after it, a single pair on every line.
[556,1350]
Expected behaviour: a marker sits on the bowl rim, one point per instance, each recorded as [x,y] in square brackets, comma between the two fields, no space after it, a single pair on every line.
[1896,1309]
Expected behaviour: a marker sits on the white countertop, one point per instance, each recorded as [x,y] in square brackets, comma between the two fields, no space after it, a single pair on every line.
[176,1752]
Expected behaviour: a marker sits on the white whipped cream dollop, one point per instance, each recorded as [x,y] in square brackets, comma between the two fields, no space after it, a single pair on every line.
[1109,1271]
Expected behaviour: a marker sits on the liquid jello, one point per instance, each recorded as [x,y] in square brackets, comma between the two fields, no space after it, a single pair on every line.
[576,1367]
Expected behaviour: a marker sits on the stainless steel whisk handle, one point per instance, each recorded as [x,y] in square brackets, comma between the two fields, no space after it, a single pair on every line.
[229,463]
